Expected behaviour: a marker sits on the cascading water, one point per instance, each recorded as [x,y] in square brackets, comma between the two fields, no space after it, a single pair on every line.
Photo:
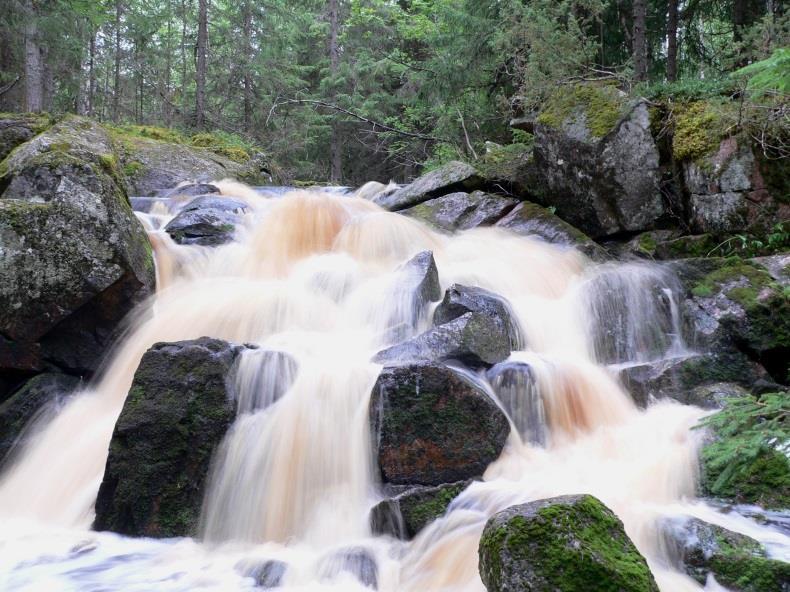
[316,280]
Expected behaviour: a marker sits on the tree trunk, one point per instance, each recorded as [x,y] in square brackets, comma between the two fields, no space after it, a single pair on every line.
[34,67]
[167,111]
[247,12]
[183,58]
[672,41]
[91,73]
[640,40]
[738,19]
[116,98]
[200,74]
[336,172]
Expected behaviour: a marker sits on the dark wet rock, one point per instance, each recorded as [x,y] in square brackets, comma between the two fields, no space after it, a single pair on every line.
[461,210]
[206,226]
[417,286]
[43,394]
[406,514]
[704,380]
[213,202]
[432,426]
[599,162]
[192,190]
[572,543]
[734,304]
[645,245]
[153,167]
[528,219]
[178,409]
[358,562]
[267,574]
[695,245]
[459,300]
[511,169]
[452,177]
[736,561]
[728,192]
[16,129]
[76,260]
[473,339]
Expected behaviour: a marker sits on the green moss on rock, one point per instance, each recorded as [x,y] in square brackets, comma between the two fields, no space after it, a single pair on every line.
[599,106]
[697,131]
[571,543]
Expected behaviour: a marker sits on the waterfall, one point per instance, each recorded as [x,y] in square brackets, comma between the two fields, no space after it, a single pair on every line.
[315,280]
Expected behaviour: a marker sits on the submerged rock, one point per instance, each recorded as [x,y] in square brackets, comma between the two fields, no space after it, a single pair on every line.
[267,574]
[598,160]
[358,562]
[461,210]
[75,258]
[406,514]
[177,412]
[736,561]
[192,190]
[572,543]
[416,287]
[431,425]
[452,177]
[207,221]
[43,394]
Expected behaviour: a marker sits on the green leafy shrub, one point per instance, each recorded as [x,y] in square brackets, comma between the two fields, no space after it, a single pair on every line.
[771,74]
[748,459]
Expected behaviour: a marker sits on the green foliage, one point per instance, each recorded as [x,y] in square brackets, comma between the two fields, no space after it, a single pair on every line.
[775,240]
[747,460]
[770,74]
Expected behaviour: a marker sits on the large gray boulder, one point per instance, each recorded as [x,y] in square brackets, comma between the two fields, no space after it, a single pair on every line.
[431,426]
[572,543]
[452,177]
[598,161]
[736,561]
[461,210]
[74,260]
[179,408]
[207,221]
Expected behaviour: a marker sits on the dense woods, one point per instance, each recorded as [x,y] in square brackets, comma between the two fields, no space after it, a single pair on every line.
[350,90]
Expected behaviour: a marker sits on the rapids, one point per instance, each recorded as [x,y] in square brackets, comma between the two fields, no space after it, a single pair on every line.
[315,274]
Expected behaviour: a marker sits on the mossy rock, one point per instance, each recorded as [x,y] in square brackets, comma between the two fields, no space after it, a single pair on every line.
[178,409]
[18,128]
[593,109]
[737,561]
[407,513]
[572,543]
[698,130]
[450,178]
[461,210]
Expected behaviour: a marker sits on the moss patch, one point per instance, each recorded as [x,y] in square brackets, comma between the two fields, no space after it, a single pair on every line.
[698,131]
[600,106]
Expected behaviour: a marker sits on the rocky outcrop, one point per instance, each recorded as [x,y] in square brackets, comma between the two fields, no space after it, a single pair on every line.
[461,210]
[572,543]
[599,162]
[207,221]
[177,412]
[452,177]
[42,394]
[736,561]
[737,305]
[153,167]
[727,192]
[407,513]
[431,426]
[75,260]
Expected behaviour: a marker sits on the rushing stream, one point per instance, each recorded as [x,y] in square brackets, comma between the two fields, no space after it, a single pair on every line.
[316,275]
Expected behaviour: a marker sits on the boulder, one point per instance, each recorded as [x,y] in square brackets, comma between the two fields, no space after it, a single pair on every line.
[207,221]
[461,210]
[75,259]
[735,304]
[452,177]
[416,287]
[192,190]
[178,409]
[267,574]
[432,425]
[704,380]
[598,161]
[517,390]
[473,339]
[153,167]
[728,192]
[736,561]
[528,219]
[572,543]
[358,562]
[44,393]
[406,514]
[16,129]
